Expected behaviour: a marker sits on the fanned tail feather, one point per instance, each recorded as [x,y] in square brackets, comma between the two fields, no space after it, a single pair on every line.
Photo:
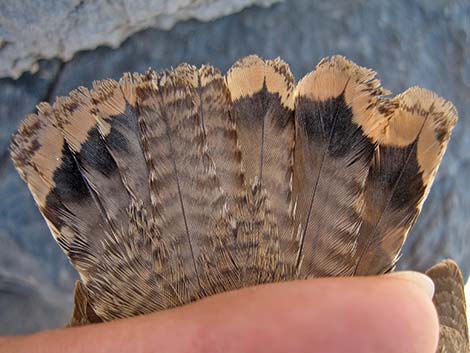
[220,130]
[262,108]
[47,164]
[220,261]
[449,300]
[403,169]
[336,134]
[185,190]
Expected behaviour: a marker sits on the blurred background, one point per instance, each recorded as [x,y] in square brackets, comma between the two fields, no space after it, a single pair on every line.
[420,42]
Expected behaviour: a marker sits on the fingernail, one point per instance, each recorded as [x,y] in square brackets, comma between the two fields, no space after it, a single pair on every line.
[419,279]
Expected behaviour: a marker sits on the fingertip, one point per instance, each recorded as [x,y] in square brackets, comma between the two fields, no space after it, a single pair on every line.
[416,319]
[336,315]
[419,279]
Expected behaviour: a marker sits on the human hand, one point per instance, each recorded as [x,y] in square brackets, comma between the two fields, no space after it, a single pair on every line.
[392,313]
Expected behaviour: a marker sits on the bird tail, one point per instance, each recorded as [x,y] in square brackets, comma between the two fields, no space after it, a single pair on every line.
[164,188]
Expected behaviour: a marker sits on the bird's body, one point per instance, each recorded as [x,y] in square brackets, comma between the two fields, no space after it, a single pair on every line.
[166,188]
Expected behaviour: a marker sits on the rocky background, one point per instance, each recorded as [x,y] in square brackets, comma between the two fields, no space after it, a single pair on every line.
[42,29]
[418,42]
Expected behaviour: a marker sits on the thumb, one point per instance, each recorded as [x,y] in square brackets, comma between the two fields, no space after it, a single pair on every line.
[386,314]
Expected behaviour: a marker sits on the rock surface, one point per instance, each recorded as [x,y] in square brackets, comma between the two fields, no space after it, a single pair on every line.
[406,42]
[42,29]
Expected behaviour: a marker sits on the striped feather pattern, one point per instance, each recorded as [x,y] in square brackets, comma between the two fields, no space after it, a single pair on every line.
[165,188]
[449,299]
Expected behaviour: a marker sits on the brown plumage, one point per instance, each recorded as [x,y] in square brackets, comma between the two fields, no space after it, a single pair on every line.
[407,157]
[451,307]
[164,188]
[336,129]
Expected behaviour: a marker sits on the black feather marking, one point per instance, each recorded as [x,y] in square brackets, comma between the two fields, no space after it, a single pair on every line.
[94,154]
[69,183]
[335,143]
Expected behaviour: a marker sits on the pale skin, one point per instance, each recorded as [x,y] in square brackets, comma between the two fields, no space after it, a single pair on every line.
[354,315]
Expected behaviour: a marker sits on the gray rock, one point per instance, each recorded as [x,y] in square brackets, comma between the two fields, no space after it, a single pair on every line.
[406,42]
[42,29]
[34,274]
[24,309]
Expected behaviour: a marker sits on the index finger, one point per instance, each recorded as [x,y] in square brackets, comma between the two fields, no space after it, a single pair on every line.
[376,315]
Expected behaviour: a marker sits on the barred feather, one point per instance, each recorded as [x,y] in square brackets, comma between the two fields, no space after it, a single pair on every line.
[449,299]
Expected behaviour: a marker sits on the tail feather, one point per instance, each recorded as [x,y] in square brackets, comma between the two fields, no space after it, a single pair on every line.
[449,300]
[221,260]
[47,164]
[262,107]
[184,188]
[77,116]
[336,134]
[405,163]
[117,119]
[220,130]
